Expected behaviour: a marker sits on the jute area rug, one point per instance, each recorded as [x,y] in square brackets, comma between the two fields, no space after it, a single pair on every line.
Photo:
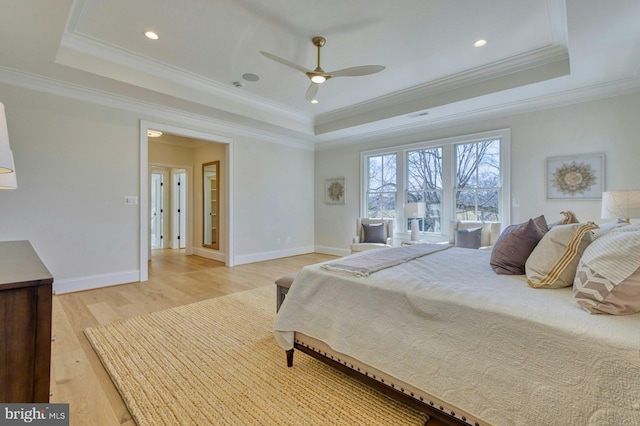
[216,363]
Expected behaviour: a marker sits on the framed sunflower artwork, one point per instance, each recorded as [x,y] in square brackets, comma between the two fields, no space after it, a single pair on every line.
[579,177]
[334,191]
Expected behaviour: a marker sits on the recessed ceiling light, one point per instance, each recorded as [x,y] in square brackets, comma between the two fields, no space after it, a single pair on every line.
[151,35]
[250,77]
[314,101]
[480,43]
[154,133]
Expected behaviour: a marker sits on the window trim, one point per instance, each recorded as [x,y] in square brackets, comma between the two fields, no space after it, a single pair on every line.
[448,213]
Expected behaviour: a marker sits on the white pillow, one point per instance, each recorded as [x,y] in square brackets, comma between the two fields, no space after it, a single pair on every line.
[603,228]
[608,275]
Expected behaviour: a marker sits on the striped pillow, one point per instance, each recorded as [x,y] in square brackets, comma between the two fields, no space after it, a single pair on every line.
[608,276]
[554,261]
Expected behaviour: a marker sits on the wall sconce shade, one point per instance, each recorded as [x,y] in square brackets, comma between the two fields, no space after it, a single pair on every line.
[621,204]
[6,160]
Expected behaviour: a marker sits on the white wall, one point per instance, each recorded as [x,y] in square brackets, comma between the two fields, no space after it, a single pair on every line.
[76,162]
[276,183]
[610,126]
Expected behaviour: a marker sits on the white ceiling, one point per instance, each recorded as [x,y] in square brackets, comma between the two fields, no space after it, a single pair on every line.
[539,53]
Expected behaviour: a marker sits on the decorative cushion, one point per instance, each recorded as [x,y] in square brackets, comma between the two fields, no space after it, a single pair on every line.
[608,276]
[469,238]
[553,263]
[490,230]
[569,217]
[515,244]
[373,233]
[603,228]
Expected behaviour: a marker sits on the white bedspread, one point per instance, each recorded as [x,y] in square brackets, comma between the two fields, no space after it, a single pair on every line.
[488,344]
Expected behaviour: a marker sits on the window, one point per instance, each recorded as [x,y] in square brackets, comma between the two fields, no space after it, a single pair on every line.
[478,181]
[457,178]
[381,186]
[424,185]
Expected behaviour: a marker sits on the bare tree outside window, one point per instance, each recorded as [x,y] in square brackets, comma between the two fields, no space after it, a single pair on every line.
[382,187]
[467,176]
[478,181]
[424,184]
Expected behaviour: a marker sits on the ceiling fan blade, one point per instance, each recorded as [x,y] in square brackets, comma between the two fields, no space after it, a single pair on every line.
[357,71]
[285,62]
[312,91]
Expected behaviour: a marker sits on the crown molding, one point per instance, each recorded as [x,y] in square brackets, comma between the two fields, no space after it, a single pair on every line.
[543,63]
[178,117]
[75,48]
[547,101]
[145,110]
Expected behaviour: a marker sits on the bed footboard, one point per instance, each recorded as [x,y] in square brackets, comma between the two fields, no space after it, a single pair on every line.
[441,413]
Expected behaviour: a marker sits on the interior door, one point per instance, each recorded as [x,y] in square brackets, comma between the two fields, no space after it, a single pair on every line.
[179,208]
[157,210]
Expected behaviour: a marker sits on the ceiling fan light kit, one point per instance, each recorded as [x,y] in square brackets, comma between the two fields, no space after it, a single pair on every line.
[318,75]
[317,78]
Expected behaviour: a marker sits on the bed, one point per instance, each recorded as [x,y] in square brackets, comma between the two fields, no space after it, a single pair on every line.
[466,344]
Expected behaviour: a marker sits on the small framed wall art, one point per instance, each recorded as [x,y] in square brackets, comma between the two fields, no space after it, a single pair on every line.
[334,190]
[578,177]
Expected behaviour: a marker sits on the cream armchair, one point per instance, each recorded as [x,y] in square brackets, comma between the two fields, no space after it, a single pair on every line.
[372,234]
[490,231]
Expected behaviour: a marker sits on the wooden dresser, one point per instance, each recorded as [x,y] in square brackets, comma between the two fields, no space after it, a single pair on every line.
[25,324]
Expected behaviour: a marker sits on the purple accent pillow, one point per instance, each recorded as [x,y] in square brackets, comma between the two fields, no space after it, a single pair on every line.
[469,238]
[515,244]
[373,233]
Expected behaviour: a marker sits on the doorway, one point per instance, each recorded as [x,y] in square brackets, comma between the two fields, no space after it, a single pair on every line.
[225,254]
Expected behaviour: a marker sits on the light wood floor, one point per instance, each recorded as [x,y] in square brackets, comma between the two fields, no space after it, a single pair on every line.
[77,376]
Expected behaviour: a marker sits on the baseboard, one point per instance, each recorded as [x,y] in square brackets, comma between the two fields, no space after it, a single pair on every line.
[332,250]
[95,281]
[70,285]
[210,254]
[269,255]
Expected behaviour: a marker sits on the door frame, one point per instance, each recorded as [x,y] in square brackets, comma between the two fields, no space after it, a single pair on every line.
[228,235]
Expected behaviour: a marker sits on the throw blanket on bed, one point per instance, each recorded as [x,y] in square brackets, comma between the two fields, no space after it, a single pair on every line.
[376,260]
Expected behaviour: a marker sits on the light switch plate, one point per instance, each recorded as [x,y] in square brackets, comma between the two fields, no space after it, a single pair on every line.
[130,199]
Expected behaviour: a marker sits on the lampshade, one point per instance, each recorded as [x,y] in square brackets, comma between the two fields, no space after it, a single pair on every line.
[621,204]
[8,180]
[6,161]
[414,210]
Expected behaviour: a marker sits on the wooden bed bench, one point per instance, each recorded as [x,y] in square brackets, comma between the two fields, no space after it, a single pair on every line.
[282,287]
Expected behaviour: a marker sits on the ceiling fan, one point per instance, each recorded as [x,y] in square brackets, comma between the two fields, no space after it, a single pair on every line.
[318,75]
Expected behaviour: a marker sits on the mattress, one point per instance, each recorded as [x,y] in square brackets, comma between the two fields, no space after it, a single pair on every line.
[487,344]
